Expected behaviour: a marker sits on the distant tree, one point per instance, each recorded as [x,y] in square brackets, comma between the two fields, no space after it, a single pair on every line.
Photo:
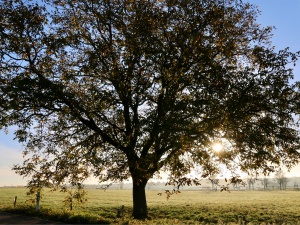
[238,184]
[281,179]
[119,89]
[214,183]
[150,185]
[121,185]
[265,182]
[251,181]
[296,184]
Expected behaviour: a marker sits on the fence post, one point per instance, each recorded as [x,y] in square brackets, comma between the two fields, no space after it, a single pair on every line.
[38,197]
[15,201]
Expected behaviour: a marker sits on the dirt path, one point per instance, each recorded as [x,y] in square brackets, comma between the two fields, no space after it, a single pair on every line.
[10,218]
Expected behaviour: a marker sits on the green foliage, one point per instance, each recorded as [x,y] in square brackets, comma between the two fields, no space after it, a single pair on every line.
[76,196]
[119,89]
[34,192]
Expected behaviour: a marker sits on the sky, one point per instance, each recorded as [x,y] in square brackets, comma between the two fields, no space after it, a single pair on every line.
[284,15]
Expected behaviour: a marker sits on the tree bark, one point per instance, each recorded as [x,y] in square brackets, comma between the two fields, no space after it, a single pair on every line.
[140,210]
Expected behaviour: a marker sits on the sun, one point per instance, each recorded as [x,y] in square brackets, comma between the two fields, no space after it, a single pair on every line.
[217,147]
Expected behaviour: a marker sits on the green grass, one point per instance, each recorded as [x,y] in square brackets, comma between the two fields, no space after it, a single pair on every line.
[189,207]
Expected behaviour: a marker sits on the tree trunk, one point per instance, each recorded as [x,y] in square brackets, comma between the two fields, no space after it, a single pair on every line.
[140,210]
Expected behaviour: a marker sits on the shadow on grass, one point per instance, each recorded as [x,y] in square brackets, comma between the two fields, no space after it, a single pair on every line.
[65,217]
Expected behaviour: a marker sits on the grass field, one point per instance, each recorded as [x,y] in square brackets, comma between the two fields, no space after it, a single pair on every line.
[189,207]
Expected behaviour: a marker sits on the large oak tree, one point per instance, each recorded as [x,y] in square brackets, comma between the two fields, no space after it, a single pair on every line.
[119,89]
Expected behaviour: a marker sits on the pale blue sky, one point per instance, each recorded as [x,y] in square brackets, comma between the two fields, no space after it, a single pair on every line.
[284,15]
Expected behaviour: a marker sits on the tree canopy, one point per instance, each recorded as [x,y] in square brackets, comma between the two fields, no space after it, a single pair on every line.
[119,89]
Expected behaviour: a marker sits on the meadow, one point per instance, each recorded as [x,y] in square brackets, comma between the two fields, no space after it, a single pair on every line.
[188,207]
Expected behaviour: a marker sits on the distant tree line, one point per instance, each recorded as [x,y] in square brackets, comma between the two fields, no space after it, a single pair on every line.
[279,181]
